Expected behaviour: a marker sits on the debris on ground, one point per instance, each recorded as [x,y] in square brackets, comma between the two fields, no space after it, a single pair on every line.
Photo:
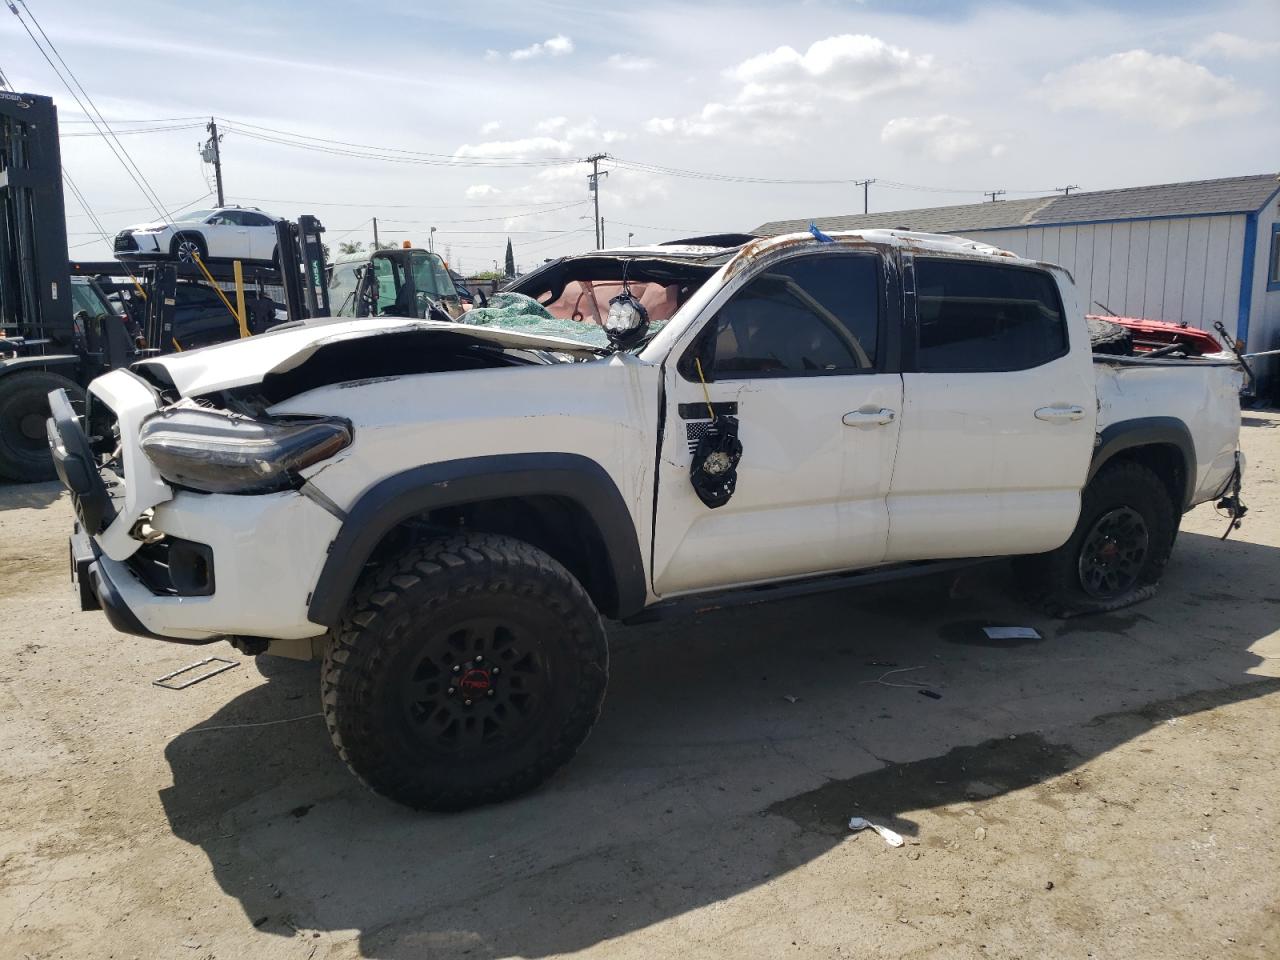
[888,836]
[168,680]
[1011,633]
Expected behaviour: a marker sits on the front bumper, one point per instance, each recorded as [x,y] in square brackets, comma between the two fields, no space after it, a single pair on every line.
[99,592]
[266,549]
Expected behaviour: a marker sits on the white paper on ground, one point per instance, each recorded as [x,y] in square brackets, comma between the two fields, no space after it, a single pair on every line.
[1011,633]
[889,837]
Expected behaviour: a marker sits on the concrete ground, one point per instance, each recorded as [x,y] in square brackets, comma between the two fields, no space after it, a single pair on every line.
[1112,790]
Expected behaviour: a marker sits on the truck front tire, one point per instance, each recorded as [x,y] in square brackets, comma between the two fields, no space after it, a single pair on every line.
[1118,550]
[464,671]
[24,409]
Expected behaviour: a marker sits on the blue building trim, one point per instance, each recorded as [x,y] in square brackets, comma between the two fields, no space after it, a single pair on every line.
[1272,284]
[1246,275]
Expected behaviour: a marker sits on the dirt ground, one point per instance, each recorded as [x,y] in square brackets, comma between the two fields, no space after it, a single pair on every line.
[1112,790]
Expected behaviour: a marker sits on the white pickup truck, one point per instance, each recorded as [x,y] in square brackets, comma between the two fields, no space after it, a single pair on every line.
[443,511]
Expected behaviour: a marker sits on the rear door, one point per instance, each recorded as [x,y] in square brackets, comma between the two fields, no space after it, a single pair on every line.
[260,233]
[799,353]
[998,415]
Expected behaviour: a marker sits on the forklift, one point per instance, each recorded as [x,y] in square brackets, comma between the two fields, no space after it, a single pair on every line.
[58,329]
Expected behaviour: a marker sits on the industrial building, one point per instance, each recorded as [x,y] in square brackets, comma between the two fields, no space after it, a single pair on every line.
[1187,253]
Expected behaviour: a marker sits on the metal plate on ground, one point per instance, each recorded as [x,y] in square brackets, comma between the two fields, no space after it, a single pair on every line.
[171,681]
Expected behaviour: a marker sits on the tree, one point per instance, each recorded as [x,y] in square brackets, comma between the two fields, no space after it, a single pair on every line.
[351,246]
[381,245]
[511,260]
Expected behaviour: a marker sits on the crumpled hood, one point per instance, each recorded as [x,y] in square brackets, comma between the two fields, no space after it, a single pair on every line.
[239,363]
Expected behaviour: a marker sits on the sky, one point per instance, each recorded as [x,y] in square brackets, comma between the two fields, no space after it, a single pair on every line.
[475,117]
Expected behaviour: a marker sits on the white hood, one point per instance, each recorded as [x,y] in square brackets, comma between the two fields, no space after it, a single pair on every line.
[239,363]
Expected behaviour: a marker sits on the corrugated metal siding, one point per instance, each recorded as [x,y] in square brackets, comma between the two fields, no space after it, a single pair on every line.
[1182,270]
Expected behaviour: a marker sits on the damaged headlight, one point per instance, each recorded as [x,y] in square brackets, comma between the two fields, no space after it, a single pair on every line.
[221,452]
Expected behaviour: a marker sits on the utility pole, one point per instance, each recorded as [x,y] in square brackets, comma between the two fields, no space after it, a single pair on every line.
[993,194]
[593,179]
[866,195]
[601,234]
[1066,191]
[214,156]
[375,233]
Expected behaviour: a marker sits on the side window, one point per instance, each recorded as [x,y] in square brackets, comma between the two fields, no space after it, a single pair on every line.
[976,317]
[226,219]
[806,316]
[250,219]
[385,271]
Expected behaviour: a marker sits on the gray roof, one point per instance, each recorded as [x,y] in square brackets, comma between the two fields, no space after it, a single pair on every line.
[1200,197]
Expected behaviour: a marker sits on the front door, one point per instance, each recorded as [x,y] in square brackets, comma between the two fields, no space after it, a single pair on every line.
[797,353]
[999,414]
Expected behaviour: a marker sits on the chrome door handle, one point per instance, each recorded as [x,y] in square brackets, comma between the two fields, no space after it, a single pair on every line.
[869,417]
[1060,414]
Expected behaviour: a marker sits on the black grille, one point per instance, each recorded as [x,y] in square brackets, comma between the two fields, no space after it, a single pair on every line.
[125,241]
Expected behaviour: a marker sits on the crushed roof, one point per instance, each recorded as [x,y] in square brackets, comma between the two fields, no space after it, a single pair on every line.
[1195,198]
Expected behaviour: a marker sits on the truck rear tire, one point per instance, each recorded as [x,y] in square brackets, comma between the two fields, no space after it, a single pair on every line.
[464,671]
[1118,550]
[24,408]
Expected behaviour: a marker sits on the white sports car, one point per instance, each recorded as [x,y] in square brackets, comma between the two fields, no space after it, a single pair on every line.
[224,233]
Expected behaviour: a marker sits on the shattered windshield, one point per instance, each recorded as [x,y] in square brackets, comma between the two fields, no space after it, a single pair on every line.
[570,298]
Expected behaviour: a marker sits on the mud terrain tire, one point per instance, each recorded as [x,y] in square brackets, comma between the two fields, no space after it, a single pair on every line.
[1118,550]
[24,409]
[464,671]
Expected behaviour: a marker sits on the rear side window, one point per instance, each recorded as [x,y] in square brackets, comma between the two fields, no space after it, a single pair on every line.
[976,317]
[805,316]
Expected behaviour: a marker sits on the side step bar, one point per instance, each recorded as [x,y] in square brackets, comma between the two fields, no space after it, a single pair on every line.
[742,596]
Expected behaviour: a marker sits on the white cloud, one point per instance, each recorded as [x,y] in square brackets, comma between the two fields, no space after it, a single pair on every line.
[630,64]
[779,88]
[528,147]
[551,125]
[481,190]
[491,127]
[1165,90]
[1229,46]
[942,137]
[771,120]
[556,46]
[846,67]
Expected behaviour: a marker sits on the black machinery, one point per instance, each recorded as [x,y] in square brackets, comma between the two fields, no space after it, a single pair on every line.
[58,329]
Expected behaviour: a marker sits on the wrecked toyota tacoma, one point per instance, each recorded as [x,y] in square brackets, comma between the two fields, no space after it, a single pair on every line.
[445,512]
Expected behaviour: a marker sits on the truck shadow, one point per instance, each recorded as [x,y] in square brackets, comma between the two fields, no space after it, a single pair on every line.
[733,748]
[37,496]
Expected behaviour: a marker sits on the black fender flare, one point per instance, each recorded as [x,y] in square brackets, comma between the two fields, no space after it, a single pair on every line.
[1146,432]
[395,499]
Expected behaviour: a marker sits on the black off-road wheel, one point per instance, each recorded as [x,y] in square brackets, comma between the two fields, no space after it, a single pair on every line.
[1118,550]
[464,671]
[24,411]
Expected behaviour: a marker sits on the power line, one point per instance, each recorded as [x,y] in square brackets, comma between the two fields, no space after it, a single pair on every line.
[63,122]
[113,142]
[400,206]
[121,133]
[419,157]
[514,216]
